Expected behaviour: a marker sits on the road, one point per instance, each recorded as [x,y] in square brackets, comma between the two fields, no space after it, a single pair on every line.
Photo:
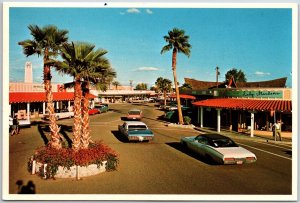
[161,166]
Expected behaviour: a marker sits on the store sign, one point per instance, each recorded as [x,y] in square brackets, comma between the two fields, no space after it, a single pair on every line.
[255,94]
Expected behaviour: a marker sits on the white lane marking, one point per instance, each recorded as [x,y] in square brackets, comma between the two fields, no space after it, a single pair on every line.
[266,151]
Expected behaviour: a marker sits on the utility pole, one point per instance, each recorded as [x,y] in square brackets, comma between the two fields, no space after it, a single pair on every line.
[130,82]
[217,75]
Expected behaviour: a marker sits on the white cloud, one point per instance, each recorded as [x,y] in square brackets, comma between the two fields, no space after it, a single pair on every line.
[259,73]
[133,10]
[149,11]
[147,69]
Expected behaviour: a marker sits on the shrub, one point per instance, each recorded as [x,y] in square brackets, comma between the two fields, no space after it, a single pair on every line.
[66,157]
[187,120]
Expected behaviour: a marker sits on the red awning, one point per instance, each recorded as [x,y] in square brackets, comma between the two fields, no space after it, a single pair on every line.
[247,104]
[183,96]
[25,97]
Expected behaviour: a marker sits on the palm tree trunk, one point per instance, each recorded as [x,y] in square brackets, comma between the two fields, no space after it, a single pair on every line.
[174,57]
[165,98]
[86,136]
[77,115]
[54,129]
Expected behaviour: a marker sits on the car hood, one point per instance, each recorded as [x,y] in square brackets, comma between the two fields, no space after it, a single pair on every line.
[146,132]
[236,152]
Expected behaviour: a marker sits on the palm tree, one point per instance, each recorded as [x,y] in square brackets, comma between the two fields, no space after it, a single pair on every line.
[116,84]
[105,79]
[98,66]
[46,42]
[85,65]
[164,85]
[178,42]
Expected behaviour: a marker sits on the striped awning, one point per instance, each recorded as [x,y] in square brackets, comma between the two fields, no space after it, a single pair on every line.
[183,96]
[247,104]
[28,97]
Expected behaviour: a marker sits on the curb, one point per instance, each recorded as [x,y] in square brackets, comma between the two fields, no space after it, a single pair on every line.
[233,133]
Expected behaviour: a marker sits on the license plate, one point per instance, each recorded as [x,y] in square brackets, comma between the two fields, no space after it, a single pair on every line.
[239,162]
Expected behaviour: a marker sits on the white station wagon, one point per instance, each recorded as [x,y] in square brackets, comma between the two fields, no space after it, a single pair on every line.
[60,114]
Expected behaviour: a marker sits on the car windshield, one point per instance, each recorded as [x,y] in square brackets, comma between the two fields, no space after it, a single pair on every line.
[137,127]
[134,112]
[224,143]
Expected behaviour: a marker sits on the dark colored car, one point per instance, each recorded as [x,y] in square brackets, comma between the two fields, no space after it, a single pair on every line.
[172,116]
[102,108]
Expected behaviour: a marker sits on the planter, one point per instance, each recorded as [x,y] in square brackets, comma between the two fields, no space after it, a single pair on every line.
[181,126]
[74,171]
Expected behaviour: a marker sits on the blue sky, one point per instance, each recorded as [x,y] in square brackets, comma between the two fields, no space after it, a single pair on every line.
[257,41]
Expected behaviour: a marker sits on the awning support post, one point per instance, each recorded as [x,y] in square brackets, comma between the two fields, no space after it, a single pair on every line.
[44,108]
[252,125]
[219,120]
[28,111]
[69,105]
[201,117]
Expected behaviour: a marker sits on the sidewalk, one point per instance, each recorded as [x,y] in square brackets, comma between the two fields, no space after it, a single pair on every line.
[286,136]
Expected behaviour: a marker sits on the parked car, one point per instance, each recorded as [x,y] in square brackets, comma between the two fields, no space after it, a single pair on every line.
[134,114]
[22,122]
[60,114]
[136,131]
[172,115]
[219,149]
[102,108]
[93,111]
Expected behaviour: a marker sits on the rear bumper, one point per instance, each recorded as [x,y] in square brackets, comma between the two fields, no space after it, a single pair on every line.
[239,161]
[140,138]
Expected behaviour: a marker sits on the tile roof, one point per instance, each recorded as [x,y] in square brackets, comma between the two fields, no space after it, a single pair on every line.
[247,104]
[198,84]
[24,97]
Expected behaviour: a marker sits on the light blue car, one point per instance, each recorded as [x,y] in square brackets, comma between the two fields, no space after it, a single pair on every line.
[136,131]
[218,149]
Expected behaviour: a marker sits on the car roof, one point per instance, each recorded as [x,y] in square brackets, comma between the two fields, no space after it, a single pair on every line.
[134,110]
[135,123]
[214,136]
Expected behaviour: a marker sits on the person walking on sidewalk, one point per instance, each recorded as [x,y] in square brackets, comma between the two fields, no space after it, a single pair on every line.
[277,129]
[15,126]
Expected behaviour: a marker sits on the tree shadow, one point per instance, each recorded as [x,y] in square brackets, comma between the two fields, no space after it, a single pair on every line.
[26,189]
[63,131]
[178,146]
[43,129]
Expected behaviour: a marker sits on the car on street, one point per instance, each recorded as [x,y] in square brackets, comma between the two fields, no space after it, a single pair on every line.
[60,114]
[135,131]
[134,114]
[102,108]
[93,111]
[172,116]
[218,148]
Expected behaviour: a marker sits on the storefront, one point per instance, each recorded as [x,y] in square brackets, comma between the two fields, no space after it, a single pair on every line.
[242,106]
[33,104]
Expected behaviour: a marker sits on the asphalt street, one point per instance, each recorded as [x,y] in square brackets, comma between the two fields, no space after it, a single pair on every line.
[161,166]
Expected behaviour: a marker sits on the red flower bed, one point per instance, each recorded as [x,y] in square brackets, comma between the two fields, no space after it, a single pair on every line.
[66,157]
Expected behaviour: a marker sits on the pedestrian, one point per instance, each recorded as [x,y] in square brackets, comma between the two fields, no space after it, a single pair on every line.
[15,126]
[277,129]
